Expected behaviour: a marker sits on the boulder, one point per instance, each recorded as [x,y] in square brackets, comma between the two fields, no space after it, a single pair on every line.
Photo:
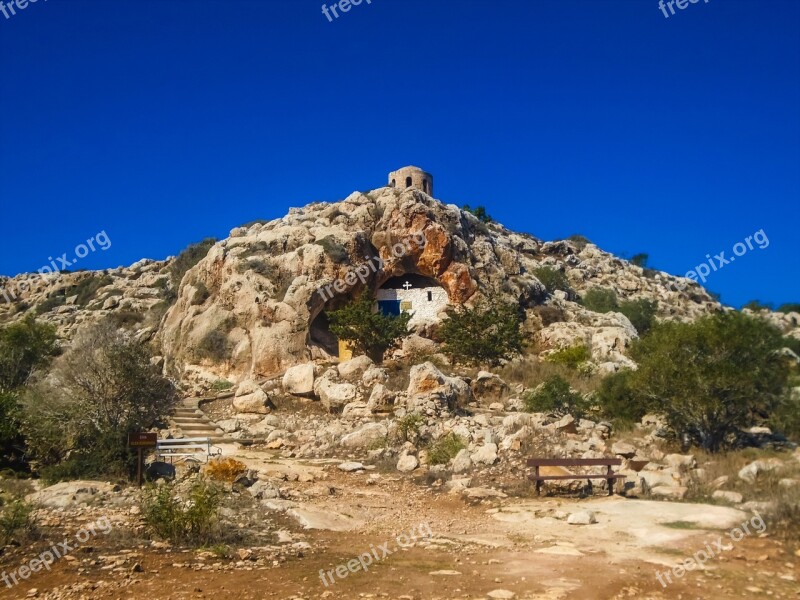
[485,455]
[254,403]
[356,409]
[488,387]
[751,472]
[623,449]
[228,425]
[381,399]
[407,463]
[462,461]
[365,436]
[685,461]
[299,380]
[335,396]
[353,369]
[674,492]
[427,381]
[374,375]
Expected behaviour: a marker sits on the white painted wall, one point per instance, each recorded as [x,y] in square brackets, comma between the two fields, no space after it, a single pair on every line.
[425,311]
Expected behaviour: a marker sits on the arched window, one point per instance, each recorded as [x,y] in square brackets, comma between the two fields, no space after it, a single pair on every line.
[425,185]
[408,182]
[393,182]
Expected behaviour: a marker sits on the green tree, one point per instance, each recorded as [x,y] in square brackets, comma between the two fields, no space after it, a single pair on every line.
[552,279]
[369,331]
[488,333]
[101,390]
[556,397]
[712,377]
[789,307]
[756,305]
[617,401]
[600,300]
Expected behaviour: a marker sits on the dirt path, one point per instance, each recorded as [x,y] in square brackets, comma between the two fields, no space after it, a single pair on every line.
[465,550]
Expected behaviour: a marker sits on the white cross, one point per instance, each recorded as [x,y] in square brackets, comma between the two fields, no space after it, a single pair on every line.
[406,286]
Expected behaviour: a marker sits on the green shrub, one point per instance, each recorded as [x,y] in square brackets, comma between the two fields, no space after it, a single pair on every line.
[757,305]
[641,313]
[221,385]
[488,333]
[87,288]
[712,377]
[445,449]
[369,331]
[600,300]
[640,260]
[16,520]
[214,345]
[53,301]
[188,258]
[193,521]
[409,426]
[790,307]
[552,279]
[556,397]
[571,357]
[550,314]
[337,253]
[617,402]
[579,241]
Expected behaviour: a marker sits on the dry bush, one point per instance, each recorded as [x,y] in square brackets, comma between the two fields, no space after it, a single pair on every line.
[225,469]
[531,372]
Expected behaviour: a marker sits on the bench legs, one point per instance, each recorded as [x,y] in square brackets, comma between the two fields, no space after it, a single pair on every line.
[610,480]
[538,481]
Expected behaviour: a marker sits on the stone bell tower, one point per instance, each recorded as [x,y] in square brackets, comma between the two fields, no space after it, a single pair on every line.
[409,177]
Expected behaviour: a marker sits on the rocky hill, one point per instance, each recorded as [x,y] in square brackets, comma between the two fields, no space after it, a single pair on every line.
[255,304]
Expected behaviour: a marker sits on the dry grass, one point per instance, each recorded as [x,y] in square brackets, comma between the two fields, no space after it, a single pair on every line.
[783,518]
[531,371]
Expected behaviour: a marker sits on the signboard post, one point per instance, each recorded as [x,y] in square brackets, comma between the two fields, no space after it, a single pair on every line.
[140,441]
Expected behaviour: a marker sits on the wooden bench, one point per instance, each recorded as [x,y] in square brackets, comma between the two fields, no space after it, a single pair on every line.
[609,475]
[186,448]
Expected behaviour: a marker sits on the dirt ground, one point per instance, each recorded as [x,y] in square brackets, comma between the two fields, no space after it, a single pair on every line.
[488,548]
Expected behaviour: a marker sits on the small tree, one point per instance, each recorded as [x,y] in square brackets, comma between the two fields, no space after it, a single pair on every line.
[103,388]
[368,330]
[712,377]
[556,397]
[486,334]
[600,300]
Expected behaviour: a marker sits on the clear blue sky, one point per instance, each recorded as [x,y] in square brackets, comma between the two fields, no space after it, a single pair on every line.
[164,122]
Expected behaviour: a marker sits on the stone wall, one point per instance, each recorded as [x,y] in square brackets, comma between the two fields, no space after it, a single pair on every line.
[418,178]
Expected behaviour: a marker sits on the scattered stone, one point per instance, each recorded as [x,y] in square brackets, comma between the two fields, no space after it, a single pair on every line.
[299,380]
[485,455]
[727,496]
[623,449]
[584,517]
[462,461]
[350,467]
[675,492]
[407,463]
[501,595]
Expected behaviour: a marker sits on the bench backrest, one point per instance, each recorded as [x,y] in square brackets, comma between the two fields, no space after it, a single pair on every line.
[182,442]
[574,462]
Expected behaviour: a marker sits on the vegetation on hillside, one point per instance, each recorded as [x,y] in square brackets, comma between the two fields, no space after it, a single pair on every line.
[369,331]
[641,313]
[487,333]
